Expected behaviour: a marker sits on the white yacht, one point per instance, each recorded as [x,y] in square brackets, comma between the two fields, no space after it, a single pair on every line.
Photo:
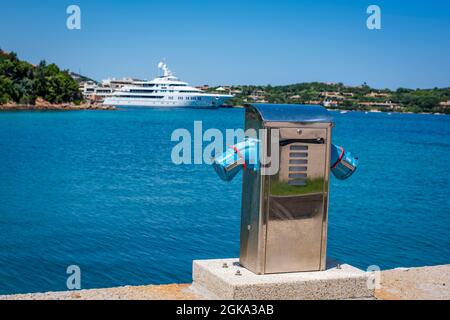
[165,91]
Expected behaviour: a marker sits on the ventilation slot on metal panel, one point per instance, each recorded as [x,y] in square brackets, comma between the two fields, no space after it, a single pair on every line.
[298,154]
[297,182]
[298,161]
[298,165]
[297,148]
[297,168]
[297,175]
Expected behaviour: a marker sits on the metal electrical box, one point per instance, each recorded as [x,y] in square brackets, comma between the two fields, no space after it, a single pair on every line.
[284,215]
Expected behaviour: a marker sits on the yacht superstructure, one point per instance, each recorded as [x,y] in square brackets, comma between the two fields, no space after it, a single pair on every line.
[164,91]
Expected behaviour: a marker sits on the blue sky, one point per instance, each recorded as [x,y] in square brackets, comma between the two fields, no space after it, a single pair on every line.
[238,42]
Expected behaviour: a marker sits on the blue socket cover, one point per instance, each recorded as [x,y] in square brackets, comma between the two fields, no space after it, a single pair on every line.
[237,157]
[245,155]
[343,164]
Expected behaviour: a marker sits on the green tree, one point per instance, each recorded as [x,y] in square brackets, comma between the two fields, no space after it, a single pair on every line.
[22,82]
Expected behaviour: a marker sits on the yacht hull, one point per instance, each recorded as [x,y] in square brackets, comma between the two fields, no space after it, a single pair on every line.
[205,102]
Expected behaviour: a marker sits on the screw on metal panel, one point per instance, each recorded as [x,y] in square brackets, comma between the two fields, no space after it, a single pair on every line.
[238,273]
[225,265]
[249,227]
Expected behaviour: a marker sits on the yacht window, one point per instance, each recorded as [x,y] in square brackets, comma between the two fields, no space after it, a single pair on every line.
[146,97]
[140,91]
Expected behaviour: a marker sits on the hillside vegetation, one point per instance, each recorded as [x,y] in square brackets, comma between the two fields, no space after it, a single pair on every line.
[22,82]
[341,96]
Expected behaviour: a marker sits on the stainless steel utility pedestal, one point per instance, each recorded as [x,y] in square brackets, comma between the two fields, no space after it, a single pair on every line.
[284,215]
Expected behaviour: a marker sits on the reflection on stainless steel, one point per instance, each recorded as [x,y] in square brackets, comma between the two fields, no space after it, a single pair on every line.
[284,216]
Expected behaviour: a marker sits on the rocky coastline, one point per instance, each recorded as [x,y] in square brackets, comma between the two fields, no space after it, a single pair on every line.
[42,105]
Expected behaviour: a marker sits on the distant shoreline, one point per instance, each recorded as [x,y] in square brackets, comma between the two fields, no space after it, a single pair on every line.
[53,107]
[87,106]
[388,112]
[356,110]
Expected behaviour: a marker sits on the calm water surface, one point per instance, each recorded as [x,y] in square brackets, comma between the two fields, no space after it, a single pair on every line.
[98,189]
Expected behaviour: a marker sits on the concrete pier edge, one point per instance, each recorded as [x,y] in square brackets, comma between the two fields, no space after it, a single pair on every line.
[418,283]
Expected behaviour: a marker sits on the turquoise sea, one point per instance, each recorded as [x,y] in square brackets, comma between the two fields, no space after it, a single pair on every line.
[98,189]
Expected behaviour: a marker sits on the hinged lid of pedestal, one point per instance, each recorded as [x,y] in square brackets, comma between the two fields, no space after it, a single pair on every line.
[293,113]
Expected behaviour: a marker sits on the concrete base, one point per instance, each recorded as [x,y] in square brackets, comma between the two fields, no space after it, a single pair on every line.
[227,279]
